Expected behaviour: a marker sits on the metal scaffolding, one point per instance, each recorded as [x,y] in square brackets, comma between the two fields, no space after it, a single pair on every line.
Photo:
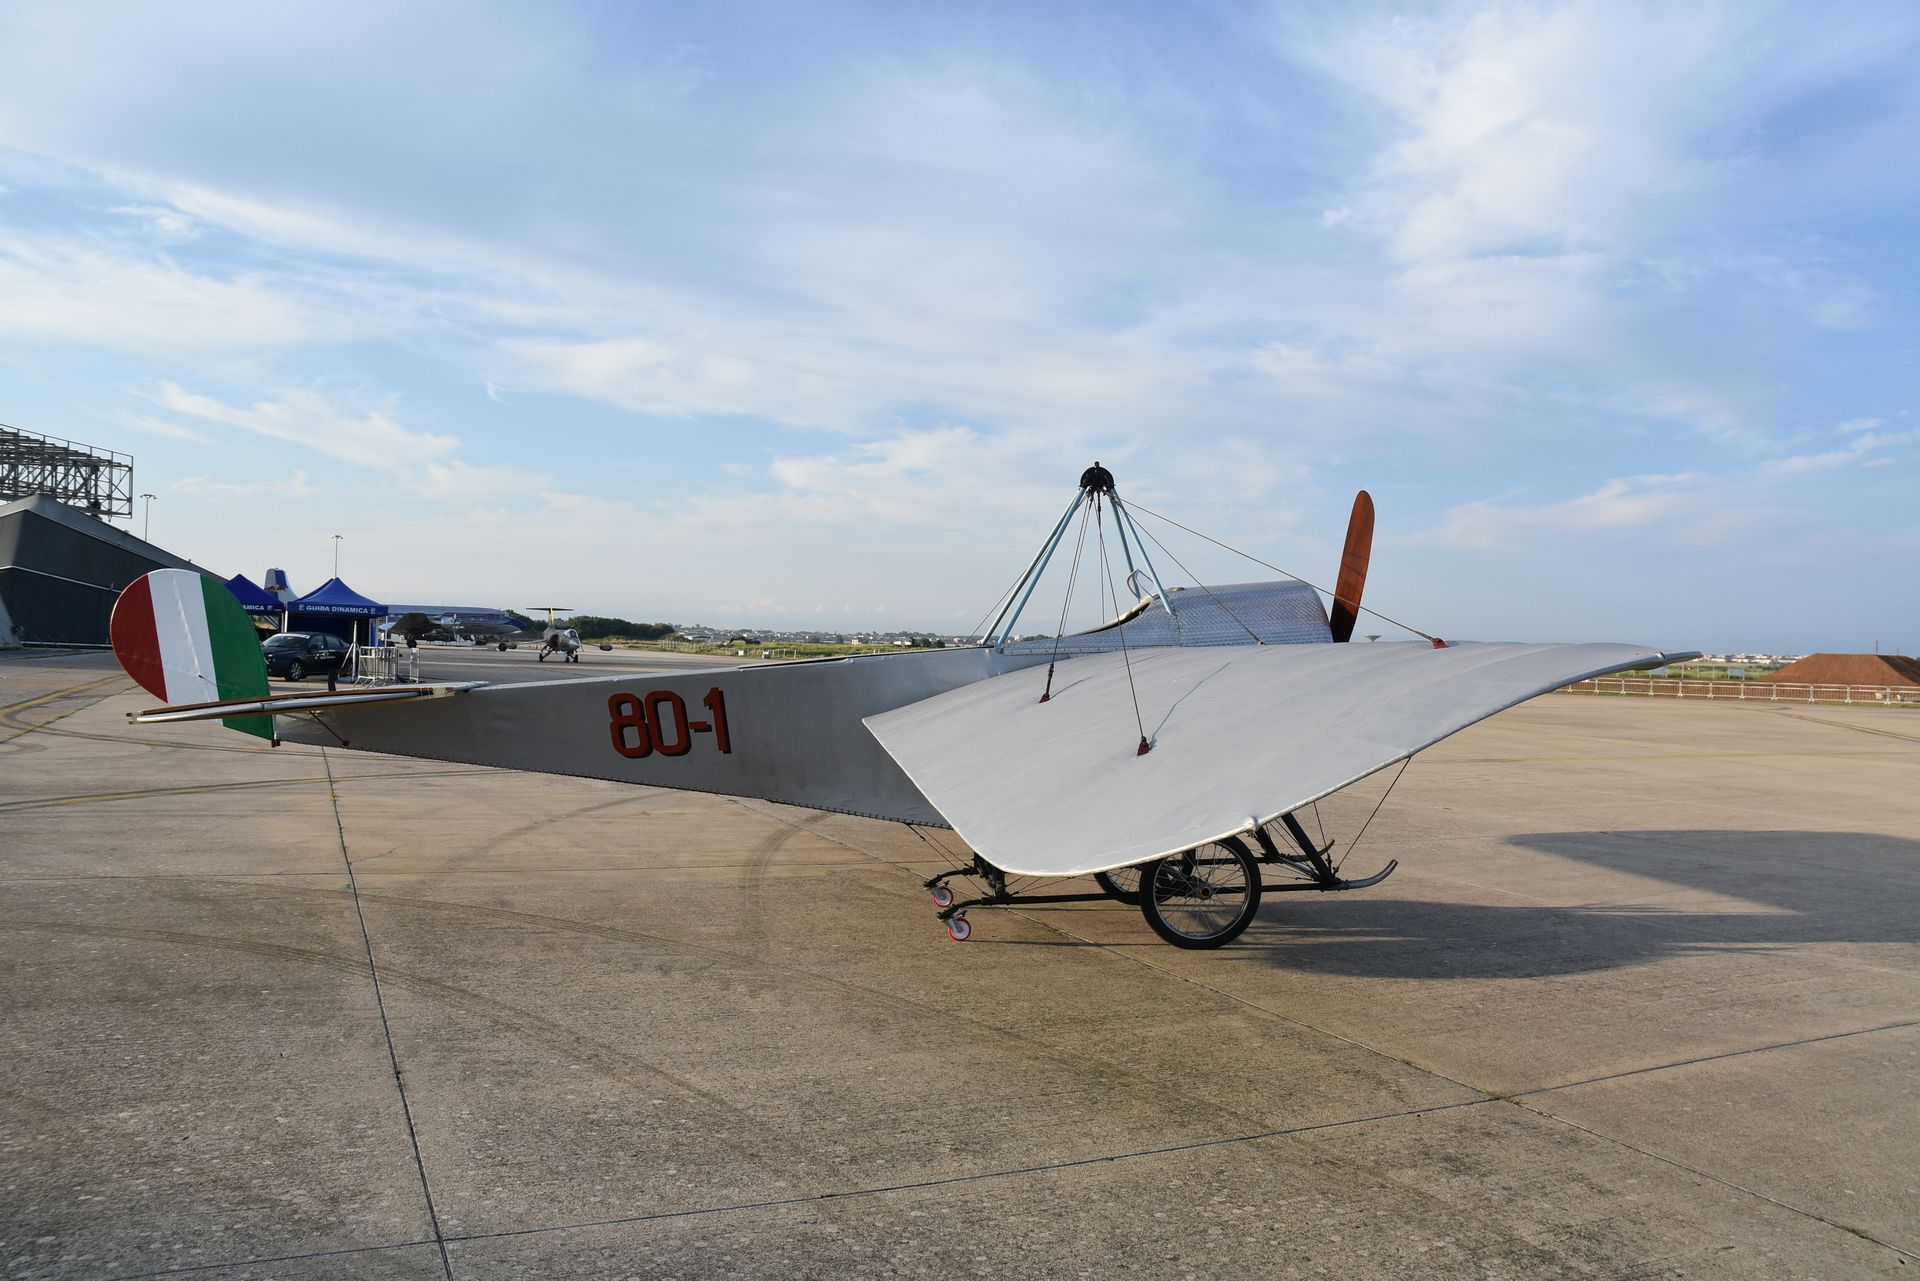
[97,481]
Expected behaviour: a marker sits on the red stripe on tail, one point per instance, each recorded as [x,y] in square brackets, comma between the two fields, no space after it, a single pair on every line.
[136,641]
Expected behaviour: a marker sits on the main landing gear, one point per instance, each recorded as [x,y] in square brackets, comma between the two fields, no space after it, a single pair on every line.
[1200,898]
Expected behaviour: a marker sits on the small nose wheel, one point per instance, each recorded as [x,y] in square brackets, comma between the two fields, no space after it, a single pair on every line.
[942,895]
[958,929]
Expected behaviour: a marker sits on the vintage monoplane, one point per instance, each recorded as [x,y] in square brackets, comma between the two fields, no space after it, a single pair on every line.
[1168,752]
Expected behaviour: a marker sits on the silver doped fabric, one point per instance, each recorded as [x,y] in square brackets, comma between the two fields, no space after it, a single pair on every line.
[1282,613]
[1240,736]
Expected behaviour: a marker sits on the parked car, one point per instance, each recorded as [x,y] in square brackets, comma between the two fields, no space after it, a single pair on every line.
[297,655]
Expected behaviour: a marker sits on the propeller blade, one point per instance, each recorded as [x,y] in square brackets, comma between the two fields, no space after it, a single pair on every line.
[1353,568]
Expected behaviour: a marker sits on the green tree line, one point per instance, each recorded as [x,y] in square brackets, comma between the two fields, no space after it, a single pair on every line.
[595,625]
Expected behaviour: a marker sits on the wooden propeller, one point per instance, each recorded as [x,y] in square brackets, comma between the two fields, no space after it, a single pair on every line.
[1353,568]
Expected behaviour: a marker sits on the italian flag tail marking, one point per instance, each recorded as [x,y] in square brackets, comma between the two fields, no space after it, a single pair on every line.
[185,639]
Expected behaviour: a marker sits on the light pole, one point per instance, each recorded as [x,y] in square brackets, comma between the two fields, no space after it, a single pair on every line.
[336,554]
[146,522]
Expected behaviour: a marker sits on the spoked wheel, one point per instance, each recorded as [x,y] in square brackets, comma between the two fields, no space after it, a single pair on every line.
[295,671]
[1122,883]
[1203,898]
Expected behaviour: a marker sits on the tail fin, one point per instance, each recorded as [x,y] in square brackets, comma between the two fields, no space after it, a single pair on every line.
[185,639]
[1353,568]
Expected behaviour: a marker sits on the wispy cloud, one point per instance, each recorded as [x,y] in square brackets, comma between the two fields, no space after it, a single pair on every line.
[1621,503]
[310,420]
[161,427]
[1605,261]
[1676,504]
[293,486]
[73,291]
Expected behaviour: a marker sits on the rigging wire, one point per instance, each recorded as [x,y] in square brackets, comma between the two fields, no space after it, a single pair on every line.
[1073,577]
[1276,569]
[1355,843]
[1004,598]
[1202,586]
[1126,656]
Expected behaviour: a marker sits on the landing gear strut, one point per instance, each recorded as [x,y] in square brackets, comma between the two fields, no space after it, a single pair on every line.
[1200,898]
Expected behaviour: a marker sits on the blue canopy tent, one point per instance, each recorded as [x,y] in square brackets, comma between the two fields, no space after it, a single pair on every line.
[335,608]
[254,598]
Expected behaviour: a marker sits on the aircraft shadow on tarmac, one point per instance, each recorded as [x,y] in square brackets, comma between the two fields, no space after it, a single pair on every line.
[1803,887]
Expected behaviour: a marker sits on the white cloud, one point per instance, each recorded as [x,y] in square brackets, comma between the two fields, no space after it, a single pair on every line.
[308,418]
[1577,190]
[670,377]
[68,290]
[1540,130]
[296,485]
[1620,503]
[1671,505]
[453,481]
[167,224]
[1861,443]
[1509,237]
[161,427]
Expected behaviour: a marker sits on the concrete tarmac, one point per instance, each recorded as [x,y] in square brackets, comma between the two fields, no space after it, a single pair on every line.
[1642,1001]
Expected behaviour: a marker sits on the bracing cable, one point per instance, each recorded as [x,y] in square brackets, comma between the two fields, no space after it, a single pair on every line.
[1073,577]
[1202,586]
[1004,598]
[1276,569]
[1354,844]
[1126,656]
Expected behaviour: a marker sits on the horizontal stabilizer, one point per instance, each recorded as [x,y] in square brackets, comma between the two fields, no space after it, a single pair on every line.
[314,701]
[1239,736]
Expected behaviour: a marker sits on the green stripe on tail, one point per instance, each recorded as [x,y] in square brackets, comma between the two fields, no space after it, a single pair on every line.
[239,669]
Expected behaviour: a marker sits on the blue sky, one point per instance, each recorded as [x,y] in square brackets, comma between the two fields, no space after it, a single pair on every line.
[811,315]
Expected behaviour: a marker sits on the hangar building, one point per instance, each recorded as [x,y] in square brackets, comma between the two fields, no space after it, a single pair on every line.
[61,570]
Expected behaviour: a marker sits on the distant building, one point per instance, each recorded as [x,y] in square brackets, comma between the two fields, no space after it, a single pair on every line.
[61,571]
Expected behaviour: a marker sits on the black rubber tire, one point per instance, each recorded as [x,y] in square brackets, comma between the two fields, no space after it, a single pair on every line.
[295,671]
[1122,883]
[543,656]
[1231,870]
[503,647]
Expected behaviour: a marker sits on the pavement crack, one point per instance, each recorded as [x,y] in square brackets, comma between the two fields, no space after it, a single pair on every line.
[193,1268]
[982,1176]
[1729,1184]
[1716,1058]
[386,1027]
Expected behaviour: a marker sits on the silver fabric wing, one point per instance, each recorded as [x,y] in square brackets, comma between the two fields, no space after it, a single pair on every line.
[1240,736]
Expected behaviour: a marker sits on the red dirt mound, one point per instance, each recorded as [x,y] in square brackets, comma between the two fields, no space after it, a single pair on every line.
[1849,669]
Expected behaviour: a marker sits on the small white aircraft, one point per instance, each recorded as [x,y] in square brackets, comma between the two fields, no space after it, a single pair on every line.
[563,641]
[1167,752]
